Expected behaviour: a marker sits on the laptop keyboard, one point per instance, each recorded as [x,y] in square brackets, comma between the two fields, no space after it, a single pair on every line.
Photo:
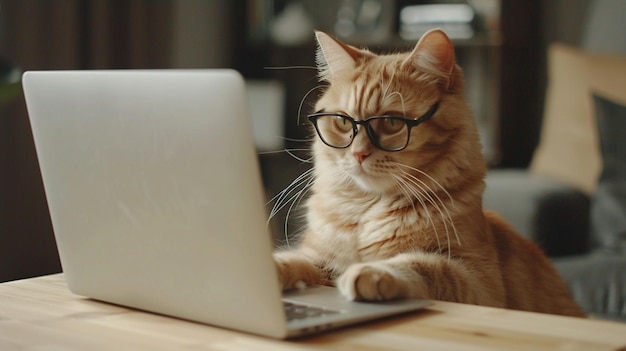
[298,311]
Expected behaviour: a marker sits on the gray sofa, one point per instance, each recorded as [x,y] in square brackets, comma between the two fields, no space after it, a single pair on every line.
[572,198]
[558,217]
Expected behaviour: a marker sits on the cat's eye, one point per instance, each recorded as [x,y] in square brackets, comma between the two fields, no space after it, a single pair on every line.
[343,124]
[391,125]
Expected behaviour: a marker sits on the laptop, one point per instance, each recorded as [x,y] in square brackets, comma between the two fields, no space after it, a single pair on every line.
[156,200]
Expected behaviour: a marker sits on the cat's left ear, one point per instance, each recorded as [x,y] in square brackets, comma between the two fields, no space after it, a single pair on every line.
[434,53]
[334,57]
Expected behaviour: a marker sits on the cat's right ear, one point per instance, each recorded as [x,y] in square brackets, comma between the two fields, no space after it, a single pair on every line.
[333,57]
[434,53]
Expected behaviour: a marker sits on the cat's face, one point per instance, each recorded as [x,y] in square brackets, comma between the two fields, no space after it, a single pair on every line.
[410,85]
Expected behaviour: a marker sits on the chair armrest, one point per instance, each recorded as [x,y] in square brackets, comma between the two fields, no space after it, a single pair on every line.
[553,214]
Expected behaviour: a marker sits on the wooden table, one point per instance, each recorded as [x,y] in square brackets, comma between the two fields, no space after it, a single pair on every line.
[41,314]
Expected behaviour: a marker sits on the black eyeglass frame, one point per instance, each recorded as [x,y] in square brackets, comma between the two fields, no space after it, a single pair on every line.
[410,123]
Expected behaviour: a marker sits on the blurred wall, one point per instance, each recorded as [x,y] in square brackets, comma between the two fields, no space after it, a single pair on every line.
[201,37]
[69,34]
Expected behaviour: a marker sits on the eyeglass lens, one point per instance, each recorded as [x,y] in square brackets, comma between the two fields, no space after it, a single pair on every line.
[335,130]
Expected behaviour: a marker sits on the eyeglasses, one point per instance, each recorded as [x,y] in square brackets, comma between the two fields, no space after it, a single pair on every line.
[388,133]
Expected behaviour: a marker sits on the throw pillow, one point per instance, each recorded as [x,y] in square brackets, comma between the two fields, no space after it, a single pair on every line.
[608,204]
[568,147]
[568,150]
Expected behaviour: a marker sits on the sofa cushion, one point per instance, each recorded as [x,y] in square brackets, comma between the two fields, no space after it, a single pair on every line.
[608,204]
[597,283]
[551,213]
[568,149]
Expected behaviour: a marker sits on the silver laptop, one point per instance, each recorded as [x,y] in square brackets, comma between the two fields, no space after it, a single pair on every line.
[156,200]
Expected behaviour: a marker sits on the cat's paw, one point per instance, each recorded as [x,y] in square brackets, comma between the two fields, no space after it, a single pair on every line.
[372,282]
[296,271]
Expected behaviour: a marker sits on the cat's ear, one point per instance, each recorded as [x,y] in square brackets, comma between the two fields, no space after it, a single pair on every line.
[434,53]
[333,57]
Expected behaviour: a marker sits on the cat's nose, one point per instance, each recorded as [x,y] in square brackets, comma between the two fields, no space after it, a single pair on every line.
[361,155]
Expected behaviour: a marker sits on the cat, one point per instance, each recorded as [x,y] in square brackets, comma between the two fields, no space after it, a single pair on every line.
[398,214]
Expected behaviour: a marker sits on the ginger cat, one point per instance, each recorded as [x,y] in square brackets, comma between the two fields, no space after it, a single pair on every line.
[396,204]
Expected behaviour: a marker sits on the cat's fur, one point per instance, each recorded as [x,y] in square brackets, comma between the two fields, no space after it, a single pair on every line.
[385,225]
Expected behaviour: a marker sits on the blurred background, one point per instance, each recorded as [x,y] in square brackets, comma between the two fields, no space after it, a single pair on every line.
[500,44]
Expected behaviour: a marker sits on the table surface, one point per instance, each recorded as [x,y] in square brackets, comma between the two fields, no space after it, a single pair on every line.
[41,314]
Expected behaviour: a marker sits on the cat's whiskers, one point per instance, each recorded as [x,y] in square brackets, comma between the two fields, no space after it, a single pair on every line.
[411,195]
[292,195]
[437,203]
[285,196]
[291,153]
[315,68]
[295,204]
[386,95]
[429,177]
[434,199]
[342,177]
[395,93]
[289,67]
[279,198]
[305,97]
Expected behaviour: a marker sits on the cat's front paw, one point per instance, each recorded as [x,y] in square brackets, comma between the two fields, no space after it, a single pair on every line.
[371,282]
[296,271]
